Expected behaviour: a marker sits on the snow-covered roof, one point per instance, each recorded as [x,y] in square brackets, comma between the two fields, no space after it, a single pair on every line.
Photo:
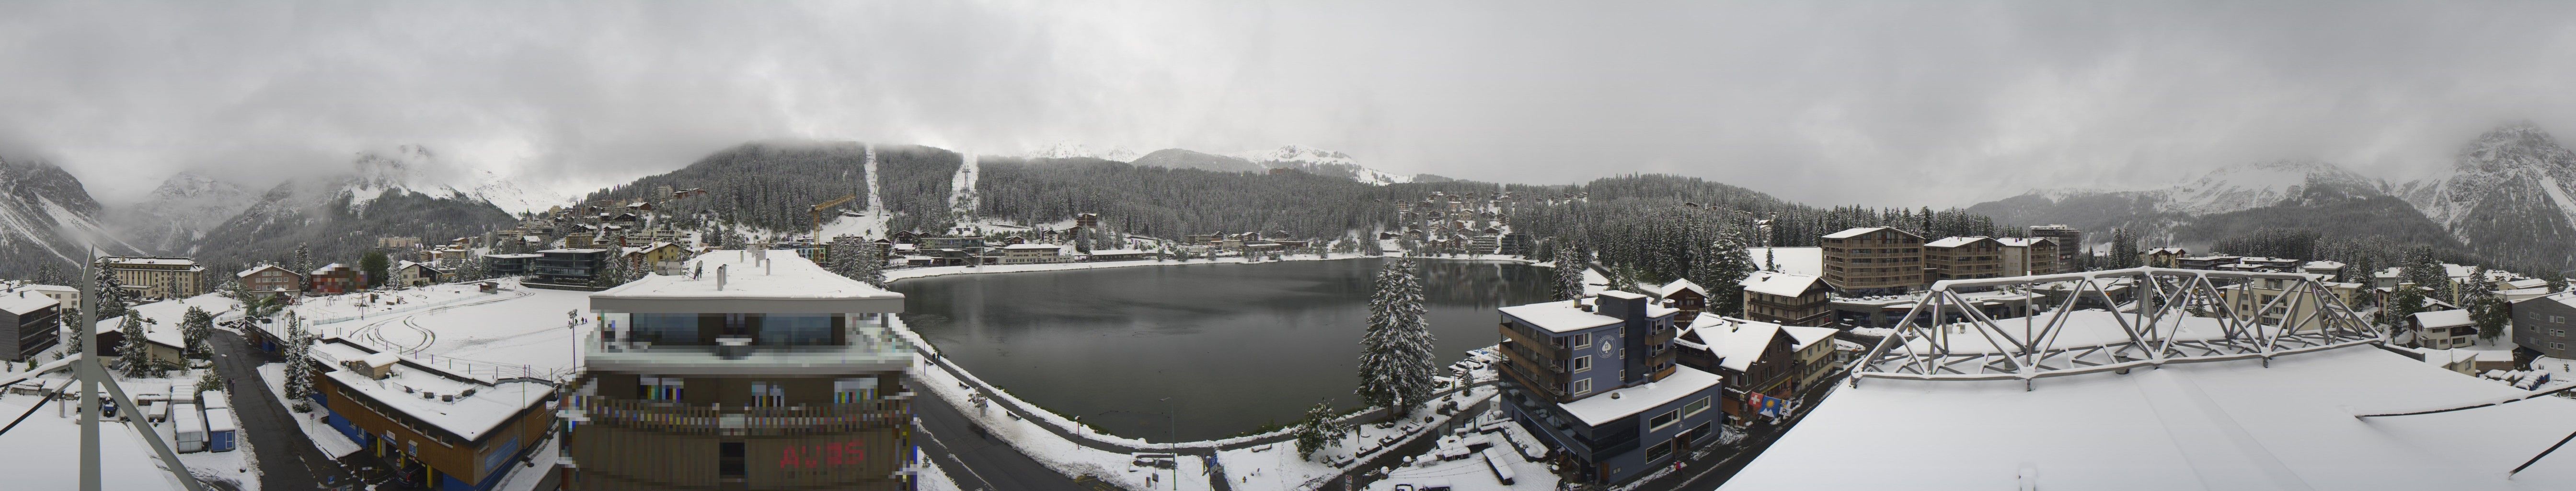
[156,261]
[1956,241]
[2442,318]
[785,277]
[2525,283]
[1796,260]
[1031,246]
[1104,252]
[1623,402]
[2168,250]
[2220,424]
[2023,241]
[573,251]
[513,256]
[1677,286]
[24,302]
[161,319]
[1558,316]
[1735,342]
[328,267]
[1807,335]
[1856,232]
[1782,284]
[50,288]
[256,269]
[469,417]
[2322,265]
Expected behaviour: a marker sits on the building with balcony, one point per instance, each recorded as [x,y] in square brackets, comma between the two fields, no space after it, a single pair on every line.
[1790,299]
[566,269]
[1961,258]
[1683,295]
[1754,360]
[30,323]
[157,277]
[1873,258]
[1595,380]
[1034,254]
[2070,241]
[2029,256]
[2544,325]
[2209,262]
[2163,257]
[270,279]
[764,372]
[2256,296]
[334,279]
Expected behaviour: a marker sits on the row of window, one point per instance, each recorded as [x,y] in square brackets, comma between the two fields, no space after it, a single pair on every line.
[763,394]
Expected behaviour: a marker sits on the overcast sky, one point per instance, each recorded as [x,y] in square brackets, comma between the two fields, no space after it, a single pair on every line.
[1880,103]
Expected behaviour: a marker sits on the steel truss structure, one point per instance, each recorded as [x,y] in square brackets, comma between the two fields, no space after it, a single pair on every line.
[1946,337]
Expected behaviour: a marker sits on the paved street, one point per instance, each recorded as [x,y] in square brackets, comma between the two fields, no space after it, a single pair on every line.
[974,461]
[287,460]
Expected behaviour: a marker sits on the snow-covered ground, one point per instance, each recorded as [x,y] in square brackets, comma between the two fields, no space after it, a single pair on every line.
[934,478]
[1064,456]
[508,333]
[40,453]
[1277,466]
[319,311]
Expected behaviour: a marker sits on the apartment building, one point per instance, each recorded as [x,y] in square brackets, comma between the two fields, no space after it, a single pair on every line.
[1873,258]
[2253,295]
[2544,324]
[2070,241]
[30,323]
[157,277]
[1595,380]
[1960,258]
[2029,256]
[765,372]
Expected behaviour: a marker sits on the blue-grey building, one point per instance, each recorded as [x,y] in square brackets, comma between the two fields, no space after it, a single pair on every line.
[1595,380]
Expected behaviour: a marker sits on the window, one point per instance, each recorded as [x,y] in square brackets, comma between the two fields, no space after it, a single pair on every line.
[664,328]
[653,388]
[1695,407]
[768,394]
[1583,340]
[854,390]
[1665,420]
[1582,363]
[1658,452]
[1582,387]
[729,459]
[795,329]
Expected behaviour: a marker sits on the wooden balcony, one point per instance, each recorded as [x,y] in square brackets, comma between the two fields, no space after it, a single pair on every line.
[693,419]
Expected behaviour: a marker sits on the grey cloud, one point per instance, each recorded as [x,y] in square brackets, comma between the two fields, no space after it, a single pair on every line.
[1937,103]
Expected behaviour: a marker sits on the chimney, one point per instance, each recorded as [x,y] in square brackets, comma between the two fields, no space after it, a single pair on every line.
[720,276]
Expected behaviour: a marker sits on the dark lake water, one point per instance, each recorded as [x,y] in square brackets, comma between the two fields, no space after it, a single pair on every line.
[1236,345]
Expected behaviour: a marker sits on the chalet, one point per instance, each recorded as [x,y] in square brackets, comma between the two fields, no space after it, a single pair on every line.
[906,237]
[161,320]
[2444,329]
[662,257]
[2163,257]
[1754,361]
[2330,269]
[1814,347]
[1683,295]
[1787,299]
[335,278]
[1087,220]
[271,279]
[409,273]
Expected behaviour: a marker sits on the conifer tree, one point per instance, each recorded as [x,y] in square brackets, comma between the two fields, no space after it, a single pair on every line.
[135,354]
[1317,429]
[304,258]
[195,328]
[2491,314]
[112,297]
[299,369]
[1395,367]
[869,264]
[1722,270]
[1569,273]
[71,331]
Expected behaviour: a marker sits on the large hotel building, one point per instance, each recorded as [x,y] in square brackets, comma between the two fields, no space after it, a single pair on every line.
[758,370]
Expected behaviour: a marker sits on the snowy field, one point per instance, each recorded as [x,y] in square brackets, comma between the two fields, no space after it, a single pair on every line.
[41,453]
[332,309]
[1277,466]
[508,333]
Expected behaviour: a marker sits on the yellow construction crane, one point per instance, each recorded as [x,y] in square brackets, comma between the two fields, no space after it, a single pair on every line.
[816,215]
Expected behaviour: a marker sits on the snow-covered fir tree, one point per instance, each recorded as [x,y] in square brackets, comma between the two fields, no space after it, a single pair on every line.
[1722,269]
[1317,429]
[613,272]
[1568,274]
[112,300]
[299,370]
[196,328]
[869,266]
[1396,351]
[135,354]
[69,323]
[303,258]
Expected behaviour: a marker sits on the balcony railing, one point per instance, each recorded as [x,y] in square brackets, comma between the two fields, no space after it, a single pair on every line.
[865,350]
[687,419]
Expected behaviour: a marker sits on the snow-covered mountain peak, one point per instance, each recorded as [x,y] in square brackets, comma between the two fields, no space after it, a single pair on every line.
[2259,184]
[1299,154]
[1321,162]
[2518,145]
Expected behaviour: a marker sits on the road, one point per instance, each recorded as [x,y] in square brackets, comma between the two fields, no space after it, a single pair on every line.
[975,461]
[287,459]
